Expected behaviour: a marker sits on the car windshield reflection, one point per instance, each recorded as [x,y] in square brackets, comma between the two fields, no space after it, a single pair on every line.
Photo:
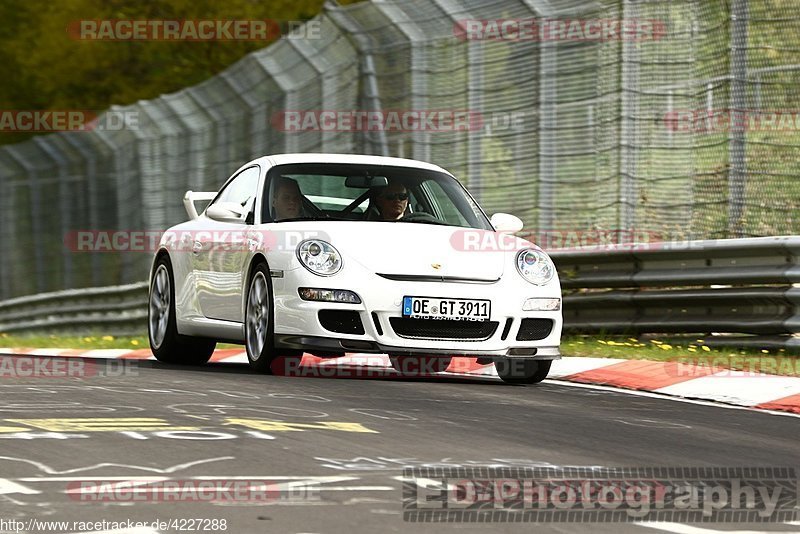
[370,193]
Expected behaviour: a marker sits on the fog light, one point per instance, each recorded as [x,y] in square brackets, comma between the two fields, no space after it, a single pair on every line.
[542,305]
[328,295]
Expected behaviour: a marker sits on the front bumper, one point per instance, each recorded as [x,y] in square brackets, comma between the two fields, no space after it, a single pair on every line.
[298,327]
[334,346]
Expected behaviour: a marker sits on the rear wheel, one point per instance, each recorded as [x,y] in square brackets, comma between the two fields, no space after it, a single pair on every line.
[419,365]
[258,320]
[520,371]
[166,344]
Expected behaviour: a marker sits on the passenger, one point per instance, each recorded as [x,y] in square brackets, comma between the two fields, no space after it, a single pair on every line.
[287,200]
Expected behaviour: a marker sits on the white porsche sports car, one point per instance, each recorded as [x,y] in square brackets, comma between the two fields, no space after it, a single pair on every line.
[331,253]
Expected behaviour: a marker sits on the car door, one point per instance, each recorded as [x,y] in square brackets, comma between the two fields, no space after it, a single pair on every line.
[221,250]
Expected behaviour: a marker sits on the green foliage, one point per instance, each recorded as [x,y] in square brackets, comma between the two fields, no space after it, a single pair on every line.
[47,69]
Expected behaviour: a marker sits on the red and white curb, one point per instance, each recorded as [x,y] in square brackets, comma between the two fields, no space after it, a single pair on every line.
[754,390]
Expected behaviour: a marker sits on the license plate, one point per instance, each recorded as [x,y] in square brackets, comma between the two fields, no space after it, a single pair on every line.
[439,308]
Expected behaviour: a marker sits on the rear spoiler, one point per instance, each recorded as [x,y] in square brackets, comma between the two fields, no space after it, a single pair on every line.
[193,196]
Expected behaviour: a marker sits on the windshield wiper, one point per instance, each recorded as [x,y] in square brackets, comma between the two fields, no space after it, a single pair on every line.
[425,221]
[293,219]
[324,217]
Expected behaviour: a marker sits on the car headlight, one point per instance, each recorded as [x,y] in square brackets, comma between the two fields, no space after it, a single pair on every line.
[535,266]
[319,257]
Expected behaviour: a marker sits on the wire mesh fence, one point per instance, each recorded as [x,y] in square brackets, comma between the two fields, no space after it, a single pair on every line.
[673,119]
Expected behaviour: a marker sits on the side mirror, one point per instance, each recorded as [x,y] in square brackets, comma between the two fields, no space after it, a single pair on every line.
[506,223]
[195,196]
[226,212]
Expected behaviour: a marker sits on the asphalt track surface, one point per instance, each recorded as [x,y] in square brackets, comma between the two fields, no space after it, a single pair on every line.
[58,432]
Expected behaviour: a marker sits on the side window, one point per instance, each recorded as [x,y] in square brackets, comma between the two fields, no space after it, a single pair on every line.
[242,189]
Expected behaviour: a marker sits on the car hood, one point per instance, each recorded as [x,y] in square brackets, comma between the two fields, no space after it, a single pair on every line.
[414,249]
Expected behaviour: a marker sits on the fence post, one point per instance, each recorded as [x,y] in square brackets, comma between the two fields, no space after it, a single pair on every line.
[548,119]
[6,234]
[372,97]
[737,174]
[370,89]
[475,58]
[93,200]
[37,229]
[65,200]
[628,125]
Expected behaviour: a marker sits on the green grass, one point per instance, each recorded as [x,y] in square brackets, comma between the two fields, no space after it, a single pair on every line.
[96,341]
[688,351]
[655,349]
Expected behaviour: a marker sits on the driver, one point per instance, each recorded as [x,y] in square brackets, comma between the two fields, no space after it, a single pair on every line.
[287,200]
[391,201]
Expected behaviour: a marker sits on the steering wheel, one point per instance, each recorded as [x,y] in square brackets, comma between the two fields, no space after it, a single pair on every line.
[422,217]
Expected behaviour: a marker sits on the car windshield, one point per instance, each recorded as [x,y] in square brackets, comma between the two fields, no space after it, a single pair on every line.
[368,193]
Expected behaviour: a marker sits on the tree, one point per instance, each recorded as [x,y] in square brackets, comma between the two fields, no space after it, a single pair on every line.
[48,69]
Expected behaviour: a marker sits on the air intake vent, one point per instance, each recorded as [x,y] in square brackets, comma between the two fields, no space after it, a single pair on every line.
[341,321]
[443,329]
[534,329]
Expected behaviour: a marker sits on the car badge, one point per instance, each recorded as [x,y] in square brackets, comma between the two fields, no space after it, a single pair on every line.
[436,266]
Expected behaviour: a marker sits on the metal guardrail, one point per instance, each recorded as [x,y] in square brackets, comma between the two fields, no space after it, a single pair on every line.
[734,286]
[115,310]
[727,287]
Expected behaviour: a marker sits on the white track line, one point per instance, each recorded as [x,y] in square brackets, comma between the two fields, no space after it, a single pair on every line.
[662,396]
[736,387]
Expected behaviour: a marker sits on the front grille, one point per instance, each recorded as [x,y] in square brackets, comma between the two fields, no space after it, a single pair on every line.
[341,321]
[534,329]
[443,329]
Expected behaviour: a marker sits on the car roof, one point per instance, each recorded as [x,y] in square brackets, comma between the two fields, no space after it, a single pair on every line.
[283,159]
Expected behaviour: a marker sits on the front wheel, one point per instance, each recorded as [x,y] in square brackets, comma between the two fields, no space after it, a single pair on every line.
[521,371]
[166,344]
[258,321]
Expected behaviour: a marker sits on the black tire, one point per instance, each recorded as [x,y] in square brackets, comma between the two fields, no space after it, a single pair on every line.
[519,371]
[419,365]
[166,343]
[260,357]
